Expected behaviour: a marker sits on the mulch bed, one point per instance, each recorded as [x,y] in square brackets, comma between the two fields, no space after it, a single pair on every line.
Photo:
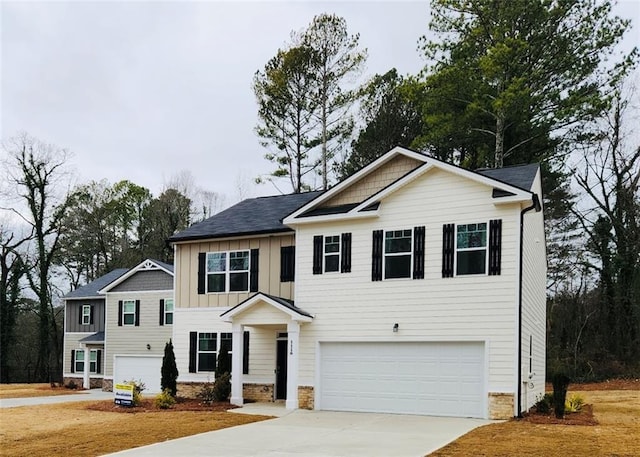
[582,417]
[147,405]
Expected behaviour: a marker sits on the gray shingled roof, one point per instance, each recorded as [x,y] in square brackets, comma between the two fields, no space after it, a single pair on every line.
[95,338]
[166,266]
[249,217]
[520,176]
[91,290]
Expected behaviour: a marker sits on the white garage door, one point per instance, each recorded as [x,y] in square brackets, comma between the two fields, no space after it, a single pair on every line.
[442,379]
[145,368]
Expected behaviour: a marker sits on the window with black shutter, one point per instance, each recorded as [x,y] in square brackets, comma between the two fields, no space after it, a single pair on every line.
[418,252]
[448,247]
[317,254]
[287,263]
[376,255]
[495,246]
[345,261]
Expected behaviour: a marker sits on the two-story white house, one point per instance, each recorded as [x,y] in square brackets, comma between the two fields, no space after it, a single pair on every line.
[120,324]
[419,288]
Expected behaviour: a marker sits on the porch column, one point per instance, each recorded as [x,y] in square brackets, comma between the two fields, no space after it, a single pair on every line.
[293,332]
[236,364]
[86,383]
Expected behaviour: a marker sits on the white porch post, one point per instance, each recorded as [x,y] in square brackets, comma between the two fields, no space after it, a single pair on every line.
[236,364]
[86,383]
[293,332]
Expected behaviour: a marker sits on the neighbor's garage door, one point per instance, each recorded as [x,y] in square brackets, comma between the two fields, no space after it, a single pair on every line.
[443,379]
[145,368]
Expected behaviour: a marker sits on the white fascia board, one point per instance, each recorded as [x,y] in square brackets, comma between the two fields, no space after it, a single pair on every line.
[291,219]
[228,316]
[335,217]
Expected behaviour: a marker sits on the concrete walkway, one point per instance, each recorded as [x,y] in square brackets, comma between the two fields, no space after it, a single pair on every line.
[318,434]
[85,395]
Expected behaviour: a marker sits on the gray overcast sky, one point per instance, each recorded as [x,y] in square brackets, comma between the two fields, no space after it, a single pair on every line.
[143,90]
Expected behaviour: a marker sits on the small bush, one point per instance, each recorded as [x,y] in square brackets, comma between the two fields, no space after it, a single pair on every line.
[544,404]
[574,403]
[165,400]
[71,385]
[138,388]
[207,393]
[560,383]
[222,387]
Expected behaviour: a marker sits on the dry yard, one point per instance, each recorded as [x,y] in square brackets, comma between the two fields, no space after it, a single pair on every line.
[90,428]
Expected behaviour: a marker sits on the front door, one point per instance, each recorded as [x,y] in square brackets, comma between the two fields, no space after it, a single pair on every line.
[281,369]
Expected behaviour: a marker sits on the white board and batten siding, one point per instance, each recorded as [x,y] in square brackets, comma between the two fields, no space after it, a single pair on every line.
[443,379]
[469,308]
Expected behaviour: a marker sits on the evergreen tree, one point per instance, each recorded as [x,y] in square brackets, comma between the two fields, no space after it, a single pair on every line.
[169,370]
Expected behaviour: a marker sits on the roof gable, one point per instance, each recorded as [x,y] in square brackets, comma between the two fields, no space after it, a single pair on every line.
[145,265]
[283,305]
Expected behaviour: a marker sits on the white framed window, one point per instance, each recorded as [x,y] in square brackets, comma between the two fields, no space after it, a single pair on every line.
[168,311]
[471,249]
[331,253]
[129,312]
[80,360]
[207,350]
[228,271]
[86,314]
[398,254]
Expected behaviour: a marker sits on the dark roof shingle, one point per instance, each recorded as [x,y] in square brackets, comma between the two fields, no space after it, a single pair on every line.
[520,176]
[91,290]
[249,217]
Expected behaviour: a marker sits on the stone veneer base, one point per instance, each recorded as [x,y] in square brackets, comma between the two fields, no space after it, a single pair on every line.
[501,405]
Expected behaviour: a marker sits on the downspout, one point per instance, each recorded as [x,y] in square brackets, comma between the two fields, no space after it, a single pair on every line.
[535,205]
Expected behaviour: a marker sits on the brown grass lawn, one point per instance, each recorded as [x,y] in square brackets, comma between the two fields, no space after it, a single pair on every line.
[33,390]
[73,429]
[616,435]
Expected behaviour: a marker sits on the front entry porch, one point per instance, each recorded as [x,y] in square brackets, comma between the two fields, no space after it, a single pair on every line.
[281,315]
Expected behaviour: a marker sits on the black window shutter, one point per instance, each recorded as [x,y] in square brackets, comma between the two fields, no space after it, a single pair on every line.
[376,255]
[137,313]
[418,252]
[495,246]
[91,314]
[120,313]
[447,250]
[193,348]
[162,312]
[73,361]
[98,361]
[80,314]
[253,273]
[317,254]
[202,272]
[345,261]
[245,353]
[287,263]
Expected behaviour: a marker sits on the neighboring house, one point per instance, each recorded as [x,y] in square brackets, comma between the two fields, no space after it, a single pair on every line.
[419,288]
[132,321]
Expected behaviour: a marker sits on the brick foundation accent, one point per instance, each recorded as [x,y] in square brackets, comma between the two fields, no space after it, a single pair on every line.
[258,392]
[94,383]
[305,397]
[500,405]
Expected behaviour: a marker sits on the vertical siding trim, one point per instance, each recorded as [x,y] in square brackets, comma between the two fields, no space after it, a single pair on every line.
[202,268]
[448,253]
[345,260]
[376,255]
[193,347]
[418,252]
[317,254]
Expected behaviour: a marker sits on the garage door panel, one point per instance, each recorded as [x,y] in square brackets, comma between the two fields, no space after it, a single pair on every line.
[143,368]
[418,378]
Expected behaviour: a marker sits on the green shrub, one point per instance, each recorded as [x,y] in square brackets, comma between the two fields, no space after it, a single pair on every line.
[560,383]
[544,404]
[574,403]
[169,370]
[71,385]
[165,400]
[222,387]
[207,393]
[138,388]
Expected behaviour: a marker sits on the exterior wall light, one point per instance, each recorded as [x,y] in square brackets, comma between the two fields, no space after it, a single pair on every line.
[148,346]
[395,327]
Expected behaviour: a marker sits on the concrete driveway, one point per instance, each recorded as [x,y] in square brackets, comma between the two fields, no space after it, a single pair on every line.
[320,433]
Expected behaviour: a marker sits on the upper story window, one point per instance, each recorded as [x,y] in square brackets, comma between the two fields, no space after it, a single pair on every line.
[471,249]
[332,253]
[166,311]
[128,312]
[228,271]
[397,254]
[86,317]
